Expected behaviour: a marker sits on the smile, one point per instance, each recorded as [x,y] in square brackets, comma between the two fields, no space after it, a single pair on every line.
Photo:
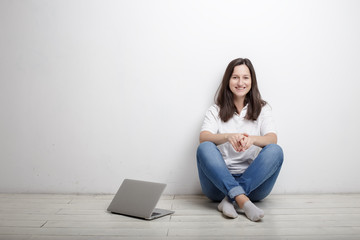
[240,88]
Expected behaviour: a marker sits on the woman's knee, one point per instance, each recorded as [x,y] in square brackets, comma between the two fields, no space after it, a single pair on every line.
[276,151]
[204,148]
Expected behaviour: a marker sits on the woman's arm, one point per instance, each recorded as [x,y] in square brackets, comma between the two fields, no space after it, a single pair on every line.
[240,141]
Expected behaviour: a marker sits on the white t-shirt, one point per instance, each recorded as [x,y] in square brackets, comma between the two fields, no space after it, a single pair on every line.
[238,162]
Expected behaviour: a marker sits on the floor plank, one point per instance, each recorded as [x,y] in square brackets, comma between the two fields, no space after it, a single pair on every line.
[78,217]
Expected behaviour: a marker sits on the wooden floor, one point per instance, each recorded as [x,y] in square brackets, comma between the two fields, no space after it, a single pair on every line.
[48,216]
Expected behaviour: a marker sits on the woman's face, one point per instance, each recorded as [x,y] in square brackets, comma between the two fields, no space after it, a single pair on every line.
[240,81]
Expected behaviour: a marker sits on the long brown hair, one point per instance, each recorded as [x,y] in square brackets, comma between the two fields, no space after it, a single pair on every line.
[225,99]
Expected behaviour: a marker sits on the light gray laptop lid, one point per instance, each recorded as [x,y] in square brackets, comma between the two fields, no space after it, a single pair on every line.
[138,198]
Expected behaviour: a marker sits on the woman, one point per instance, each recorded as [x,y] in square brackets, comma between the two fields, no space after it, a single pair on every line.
[238,158]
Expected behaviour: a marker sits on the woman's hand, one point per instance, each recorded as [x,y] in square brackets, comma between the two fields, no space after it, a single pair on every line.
[237,140]
[260,141]
[247,142]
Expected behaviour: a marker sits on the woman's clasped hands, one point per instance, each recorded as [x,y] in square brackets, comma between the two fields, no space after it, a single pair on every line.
[241,141]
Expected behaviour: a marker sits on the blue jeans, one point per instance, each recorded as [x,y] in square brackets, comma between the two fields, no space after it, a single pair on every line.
[256,182]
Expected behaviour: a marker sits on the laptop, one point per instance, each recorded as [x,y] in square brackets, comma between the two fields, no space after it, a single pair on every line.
[138,199]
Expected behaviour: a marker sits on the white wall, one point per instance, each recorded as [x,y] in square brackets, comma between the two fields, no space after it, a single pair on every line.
[92,92]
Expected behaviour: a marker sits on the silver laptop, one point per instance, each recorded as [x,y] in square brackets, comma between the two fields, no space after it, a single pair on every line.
[138,199]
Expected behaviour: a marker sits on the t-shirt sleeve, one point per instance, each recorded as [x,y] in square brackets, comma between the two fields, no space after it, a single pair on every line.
[267,121]
[211,120]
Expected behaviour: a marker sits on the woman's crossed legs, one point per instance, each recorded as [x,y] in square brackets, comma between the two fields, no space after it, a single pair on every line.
[254,184]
